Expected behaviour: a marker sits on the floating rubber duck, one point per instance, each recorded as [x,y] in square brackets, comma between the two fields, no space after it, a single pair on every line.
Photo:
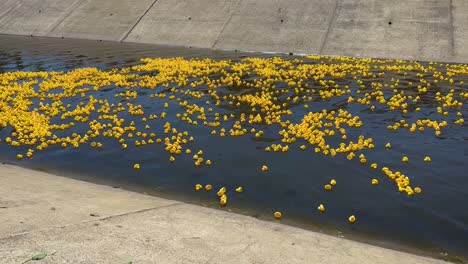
[208,187]
[278,215]
[221,191]
[427,159]
[352,219]
[136,166]
[239,189]
[223,200]
[321,208]
[375,182]
[198,187]
[31,103]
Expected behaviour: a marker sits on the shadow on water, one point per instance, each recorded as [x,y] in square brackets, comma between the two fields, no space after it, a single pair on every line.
[430,224]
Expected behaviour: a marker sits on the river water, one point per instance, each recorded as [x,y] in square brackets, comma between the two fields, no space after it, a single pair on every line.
[434,223]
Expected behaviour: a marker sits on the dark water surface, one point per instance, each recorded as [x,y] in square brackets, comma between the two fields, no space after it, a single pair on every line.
[433,223]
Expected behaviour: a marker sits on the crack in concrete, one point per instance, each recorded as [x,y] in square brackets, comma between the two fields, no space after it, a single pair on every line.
[72,8]
[138,21]
[106,218]
[137,212]
[452,37]
[330,25]
[225,25]
[8,10]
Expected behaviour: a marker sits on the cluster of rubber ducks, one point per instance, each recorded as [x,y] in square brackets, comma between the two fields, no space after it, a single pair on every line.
[42,109]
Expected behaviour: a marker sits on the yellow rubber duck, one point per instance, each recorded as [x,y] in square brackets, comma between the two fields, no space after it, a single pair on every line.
[136,166]
[208,187]
[352,219]
[223,200]
[221,191]
[321,208]
[198,187]
[278,215]
[239,189]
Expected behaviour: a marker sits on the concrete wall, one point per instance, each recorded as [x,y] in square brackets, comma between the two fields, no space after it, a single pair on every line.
[408,29]
[101,19]
[283,26]
[196,23]
[33,17]
[460,30]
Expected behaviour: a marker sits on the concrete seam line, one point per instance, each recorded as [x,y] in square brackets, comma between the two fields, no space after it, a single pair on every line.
[138,21]
[137,212]
[87,221]
[330,25]
[452,37]
[225,25]
[7,11]
[72,8]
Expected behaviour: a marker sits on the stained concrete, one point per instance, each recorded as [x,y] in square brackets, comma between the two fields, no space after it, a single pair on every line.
[79,222]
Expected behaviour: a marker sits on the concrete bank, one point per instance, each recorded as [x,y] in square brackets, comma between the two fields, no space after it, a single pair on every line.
[80,222]
[406,29]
